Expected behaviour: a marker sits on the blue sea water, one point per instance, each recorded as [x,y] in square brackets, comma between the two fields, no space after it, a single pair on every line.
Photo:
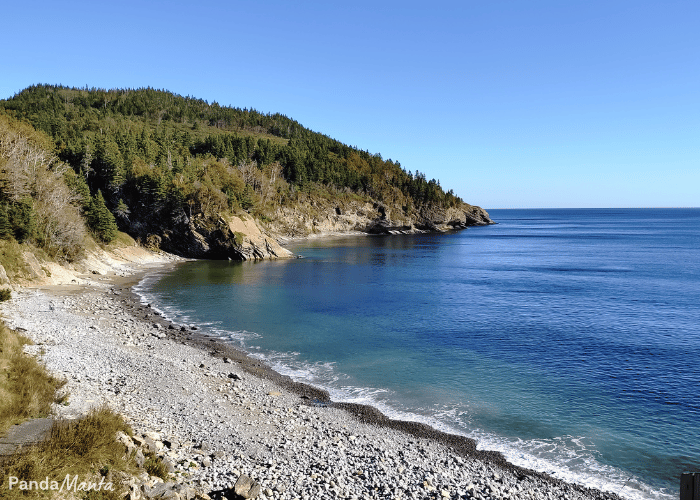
[567,339]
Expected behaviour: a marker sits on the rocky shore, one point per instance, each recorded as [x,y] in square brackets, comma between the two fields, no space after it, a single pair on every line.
[219,417]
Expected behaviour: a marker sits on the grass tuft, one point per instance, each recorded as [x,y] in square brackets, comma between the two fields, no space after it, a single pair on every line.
[86,448]
[27,390]
[155,467]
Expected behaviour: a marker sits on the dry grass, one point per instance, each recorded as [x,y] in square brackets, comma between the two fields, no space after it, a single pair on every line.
[85,448]
[12,260]
[155,466]
[27,390]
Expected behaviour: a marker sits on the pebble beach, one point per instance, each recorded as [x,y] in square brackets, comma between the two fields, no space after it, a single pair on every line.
[216,414]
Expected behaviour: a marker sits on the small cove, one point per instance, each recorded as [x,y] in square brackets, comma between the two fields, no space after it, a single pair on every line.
[552,337]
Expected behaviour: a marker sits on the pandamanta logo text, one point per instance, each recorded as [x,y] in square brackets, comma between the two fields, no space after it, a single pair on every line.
[69,483]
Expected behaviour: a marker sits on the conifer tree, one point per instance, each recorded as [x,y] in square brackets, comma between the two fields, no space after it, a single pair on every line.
[22,220]
[5,228]
[101,220]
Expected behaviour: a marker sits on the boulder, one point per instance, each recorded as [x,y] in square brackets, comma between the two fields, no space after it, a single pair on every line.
[246,487]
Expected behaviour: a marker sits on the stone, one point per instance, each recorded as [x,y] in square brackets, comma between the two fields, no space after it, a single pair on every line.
[246,487]
[169,466]
[185,492]
[140,458]
[204,447]
[234,376]
[160,491]
[134,493]
[151,444]
[127,442]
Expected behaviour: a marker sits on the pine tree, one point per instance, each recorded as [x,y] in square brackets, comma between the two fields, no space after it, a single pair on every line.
[101,220]
[5,228]
[22,219]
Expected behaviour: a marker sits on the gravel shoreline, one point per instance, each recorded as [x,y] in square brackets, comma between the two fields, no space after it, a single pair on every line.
[223,414]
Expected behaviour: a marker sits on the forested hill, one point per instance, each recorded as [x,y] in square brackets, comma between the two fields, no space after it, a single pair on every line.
[162,162]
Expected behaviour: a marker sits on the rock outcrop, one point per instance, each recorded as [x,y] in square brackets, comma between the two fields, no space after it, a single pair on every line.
[325,216]
[225,237]
[241,237]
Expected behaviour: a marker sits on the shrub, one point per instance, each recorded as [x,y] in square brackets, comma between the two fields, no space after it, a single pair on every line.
[5,294]
[155,467]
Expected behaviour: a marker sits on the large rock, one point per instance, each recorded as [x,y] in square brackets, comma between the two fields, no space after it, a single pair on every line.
[225,237]
[246,487]
[441,219]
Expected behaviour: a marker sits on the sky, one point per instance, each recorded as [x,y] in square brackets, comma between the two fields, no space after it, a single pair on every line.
[513,104]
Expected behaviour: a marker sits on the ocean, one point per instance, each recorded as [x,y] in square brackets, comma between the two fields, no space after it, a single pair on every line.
[567,339]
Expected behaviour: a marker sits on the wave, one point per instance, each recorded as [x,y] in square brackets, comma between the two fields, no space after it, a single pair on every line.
[569,458]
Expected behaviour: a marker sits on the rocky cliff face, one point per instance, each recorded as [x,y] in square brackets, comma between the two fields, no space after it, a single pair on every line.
[232,237]
[243,238]
[328,217]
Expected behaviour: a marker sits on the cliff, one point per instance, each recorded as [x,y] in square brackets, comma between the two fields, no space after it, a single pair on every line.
[236,237]
[242,237]
[314,216]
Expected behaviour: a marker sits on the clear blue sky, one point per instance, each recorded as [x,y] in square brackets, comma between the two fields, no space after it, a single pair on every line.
[533,103]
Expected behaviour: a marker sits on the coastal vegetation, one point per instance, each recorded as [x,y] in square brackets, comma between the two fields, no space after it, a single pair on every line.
[27,390]
[85,447]
[77,162]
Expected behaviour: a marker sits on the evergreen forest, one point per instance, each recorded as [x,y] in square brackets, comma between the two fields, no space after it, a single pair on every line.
[134,159]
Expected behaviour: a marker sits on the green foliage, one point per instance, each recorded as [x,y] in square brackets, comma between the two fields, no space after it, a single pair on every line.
[22,220]
[101,220]
[238,238]
[122,210]
[78,186]
[5,294]
[159,158]
[36,204]
[5,227]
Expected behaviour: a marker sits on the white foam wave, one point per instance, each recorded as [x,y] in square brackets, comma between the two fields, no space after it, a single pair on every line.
[569,458]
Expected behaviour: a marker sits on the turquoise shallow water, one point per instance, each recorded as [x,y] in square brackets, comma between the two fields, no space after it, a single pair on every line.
[567,339]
